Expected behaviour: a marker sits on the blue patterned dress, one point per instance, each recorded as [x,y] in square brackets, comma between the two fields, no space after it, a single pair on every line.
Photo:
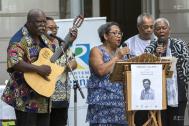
[105,99]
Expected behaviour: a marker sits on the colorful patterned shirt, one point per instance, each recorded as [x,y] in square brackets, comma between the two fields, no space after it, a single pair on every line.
[17,92]
[61,96]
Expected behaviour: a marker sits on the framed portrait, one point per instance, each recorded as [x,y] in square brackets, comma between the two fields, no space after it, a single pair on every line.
[146,87]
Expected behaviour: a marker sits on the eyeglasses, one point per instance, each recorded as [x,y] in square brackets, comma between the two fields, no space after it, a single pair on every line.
[116,33]
[53,28]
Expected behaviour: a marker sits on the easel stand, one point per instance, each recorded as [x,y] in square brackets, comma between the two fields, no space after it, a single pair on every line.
[154,118]
[122,72]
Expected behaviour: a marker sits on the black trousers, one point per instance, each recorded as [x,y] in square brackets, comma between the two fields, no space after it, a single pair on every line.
[31,119]
[174,116]
[58,116]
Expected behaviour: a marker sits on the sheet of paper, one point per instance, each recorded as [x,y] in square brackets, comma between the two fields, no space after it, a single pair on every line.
[140,72]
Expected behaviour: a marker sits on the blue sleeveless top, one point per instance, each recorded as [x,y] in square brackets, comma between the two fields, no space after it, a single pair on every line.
[105,99]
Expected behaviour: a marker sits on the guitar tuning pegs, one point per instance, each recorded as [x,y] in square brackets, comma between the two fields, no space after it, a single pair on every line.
[78,21]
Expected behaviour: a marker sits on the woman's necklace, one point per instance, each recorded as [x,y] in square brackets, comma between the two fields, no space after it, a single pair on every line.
[110,52]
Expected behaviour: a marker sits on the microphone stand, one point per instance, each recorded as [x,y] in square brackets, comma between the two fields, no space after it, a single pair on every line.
[75,87]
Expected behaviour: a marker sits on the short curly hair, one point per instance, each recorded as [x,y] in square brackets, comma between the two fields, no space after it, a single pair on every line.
[105,29]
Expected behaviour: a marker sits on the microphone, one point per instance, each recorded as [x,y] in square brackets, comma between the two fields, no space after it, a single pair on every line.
[125,45]
[49,33]
[160,43]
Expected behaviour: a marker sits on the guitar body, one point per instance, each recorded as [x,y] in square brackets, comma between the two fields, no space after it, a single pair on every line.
[39,84]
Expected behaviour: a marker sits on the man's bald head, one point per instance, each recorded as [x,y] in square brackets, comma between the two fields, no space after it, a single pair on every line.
[34,13]
[36,22]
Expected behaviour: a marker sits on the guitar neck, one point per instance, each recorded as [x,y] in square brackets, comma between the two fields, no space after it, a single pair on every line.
[64,46]
[60,50]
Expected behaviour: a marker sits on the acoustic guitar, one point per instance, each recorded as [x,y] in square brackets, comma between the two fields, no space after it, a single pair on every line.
[41,85]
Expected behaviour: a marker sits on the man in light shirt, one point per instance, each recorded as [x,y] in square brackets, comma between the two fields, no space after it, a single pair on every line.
[147,93]
[139,42]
